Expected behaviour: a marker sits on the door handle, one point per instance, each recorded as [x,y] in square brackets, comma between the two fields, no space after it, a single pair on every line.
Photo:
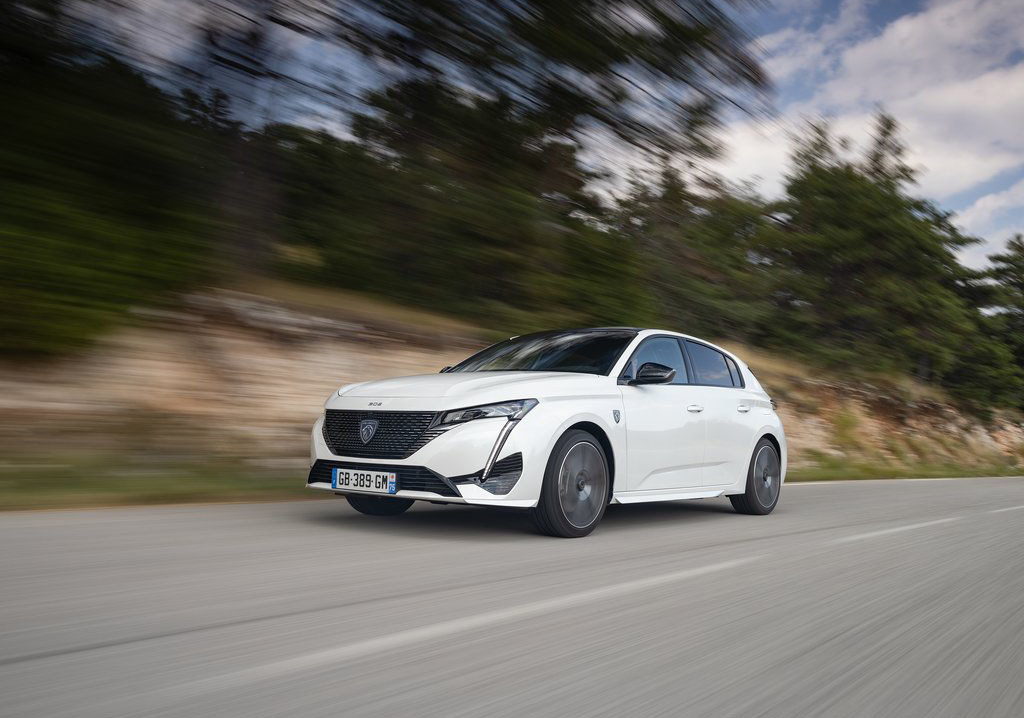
[695,408]
[743,408]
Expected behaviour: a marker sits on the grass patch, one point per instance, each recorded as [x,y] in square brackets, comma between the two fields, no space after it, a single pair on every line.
[832,468]
[117,481]
[844,430]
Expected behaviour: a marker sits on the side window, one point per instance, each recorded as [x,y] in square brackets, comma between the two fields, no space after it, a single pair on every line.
[660,350]
[709,365]
[737,378]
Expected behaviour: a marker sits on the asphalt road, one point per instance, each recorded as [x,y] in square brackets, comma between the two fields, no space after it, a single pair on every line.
[901,598]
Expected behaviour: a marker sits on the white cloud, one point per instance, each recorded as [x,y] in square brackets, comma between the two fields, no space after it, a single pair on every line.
[795,50]
[996,217]
[982,216]
[947,42]
[758,152]
[976,256]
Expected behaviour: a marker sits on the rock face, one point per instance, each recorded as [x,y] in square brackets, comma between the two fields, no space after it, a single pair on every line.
[872,428]
[226,375]
[237,376]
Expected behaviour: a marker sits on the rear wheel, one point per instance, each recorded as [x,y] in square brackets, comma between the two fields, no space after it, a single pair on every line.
[764,481]
[378,505]
[576,487]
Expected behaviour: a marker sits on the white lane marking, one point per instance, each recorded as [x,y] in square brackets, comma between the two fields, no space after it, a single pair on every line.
[789,482]
[441,630]
[893,530]
[1008,508]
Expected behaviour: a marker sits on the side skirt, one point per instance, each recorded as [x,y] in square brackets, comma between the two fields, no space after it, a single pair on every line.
[640,497]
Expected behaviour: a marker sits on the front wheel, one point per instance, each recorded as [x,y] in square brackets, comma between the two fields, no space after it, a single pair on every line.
[764,481]
[378,505]
[576,487]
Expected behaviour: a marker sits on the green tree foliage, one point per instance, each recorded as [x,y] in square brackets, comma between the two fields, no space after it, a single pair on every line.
[698,254]
[478,207]
[863,265]
[1005,307]
[100,187]
[866,274]
[986,373]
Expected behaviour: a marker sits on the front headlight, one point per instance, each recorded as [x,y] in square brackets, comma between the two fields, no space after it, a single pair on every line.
[511,410]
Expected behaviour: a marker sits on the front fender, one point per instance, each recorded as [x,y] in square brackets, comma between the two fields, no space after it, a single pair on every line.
[540,430]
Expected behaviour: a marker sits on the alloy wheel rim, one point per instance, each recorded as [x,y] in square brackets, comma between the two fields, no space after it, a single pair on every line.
[582,484]
[767,476]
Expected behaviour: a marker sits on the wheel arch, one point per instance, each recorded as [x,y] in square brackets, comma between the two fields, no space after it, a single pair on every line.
[598,433]
[775,442]
[771,437]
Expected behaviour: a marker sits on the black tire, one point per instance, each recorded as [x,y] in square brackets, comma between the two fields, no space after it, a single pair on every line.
[576,489]
[378,505]
[764,482]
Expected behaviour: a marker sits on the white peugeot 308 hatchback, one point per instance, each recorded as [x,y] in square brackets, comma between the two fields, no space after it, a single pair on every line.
[562,423]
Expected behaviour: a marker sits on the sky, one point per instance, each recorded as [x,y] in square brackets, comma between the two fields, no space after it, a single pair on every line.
[950,71]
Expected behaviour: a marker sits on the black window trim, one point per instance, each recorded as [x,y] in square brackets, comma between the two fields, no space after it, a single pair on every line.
[684,340]
[686,360]
[734,368]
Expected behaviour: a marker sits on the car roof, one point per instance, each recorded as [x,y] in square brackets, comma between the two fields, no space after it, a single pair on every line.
[579,330]
[639,331]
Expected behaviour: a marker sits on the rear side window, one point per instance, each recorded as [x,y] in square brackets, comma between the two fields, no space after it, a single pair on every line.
[660,350]
[710,366]
[734,370]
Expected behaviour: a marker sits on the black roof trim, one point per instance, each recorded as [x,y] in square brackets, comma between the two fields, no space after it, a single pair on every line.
[581,330]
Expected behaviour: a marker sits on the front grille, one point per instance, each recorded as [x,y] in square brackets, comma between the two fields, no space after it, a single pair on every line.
[399,434]
[410,478]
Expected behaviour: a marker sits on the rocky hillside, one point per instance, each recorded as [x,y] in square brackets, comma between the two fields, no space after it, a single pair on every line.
[237,376]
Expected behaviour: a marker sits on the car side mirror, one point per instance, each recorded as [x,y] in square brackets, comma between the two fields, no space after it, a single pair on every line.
[654,373]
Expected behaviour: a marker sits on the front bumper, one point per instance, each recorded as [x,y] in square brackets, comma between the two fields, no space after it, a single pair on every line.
[450,467]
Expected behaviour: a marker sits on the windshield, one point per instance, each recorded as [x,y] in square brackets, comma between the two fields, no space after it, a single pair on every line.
[587,352]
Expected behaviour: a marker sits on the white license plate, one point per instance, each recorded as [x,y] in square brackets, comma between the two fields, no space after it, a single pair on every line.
[374,482]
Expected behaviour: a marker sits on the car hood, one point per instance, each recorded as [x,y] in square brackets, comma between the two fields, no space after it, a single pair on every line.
[483,385]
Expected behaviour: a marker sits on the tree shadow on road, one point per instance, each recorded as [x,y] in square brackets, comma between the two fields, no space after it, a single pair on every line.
[434,522]
[457,522]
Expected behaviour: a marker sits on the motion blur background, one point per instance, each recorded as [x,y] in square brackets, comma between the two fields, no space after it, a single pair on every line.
[214,213]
